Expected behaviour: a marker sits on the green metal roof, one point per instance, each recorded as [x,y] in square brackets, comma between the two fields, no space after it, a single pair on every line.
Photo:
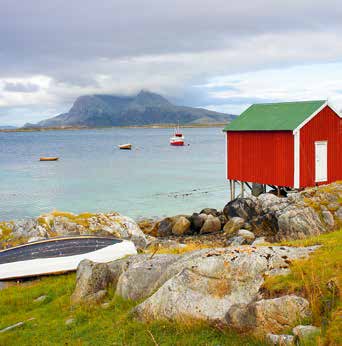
[274,116]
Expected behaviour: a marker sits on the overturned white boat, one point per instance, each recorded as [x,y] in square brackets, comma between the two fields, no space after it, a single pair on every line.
[60,255]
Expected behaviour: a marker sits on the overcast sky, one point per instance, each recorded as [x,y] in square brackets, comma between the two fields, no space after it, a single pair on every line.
[219,54]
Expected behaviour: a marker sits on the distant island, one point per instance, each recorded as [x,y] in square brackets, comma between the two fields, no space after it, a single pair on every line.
[144,109]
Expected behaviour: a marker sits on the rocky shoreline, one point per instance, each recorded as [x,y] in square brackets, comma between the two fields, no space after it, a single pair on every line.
[266,218]
[208,266]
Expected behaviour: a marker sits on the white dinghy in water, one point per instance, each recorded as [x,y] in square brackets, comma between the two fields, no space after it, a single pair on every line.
[56,256]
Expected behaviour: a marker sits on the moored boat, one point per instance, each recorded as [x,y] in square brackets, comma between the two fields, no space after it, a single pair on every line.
[127,146]
[60,255]
[177,139]
[48,159]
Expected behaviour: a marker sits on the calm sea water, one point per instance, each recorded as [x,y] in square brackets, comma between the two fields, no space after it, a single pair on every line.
[154,179]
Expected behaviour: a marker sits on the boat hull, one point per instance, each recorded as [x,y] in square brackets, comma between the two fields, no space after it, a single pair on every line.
[48,159]
[125,146]
[61,264]
[177,143]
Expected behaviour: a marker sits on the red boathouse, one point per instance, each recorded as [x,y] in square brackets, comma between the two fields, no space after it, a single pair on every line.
[291,144]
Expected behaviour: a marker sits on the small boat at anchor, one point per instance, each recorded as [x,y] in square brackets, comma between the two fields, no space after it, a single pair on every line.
[49,159]
[177,139]
[127,146]
[60,255]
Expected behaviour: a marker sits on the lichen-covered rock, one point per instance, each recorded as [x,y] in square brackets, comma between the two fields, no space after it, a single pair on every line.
[233,225]
[205,284]
[268,315]
[211,224]
[68,224]
[181,226]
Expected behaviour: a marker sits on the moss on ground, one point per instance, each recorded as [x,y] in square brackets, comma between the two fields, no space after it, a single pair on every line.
[92,325]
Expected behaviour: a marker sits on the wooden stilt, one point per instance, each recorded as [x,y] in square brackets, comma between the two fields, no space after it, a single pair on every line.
[231,189]
[242,189]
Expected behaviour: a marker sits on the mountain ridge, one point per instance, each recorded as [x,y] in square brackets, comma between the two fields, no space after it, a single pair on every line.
[145,108]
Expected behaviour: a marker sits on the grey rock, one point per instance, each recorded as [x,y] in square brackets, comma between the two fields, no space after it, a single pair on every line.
[258,241]
[328,219]
[165,227]
[197,221]
[92,280]
[280,340]
[247,235]
[140,279]
[305,333]
[205,284]
[257,189]
[210,211]
[268,315]
[211,224]
[338,214]
[40,299]
[233,225]
[236,241]
[181,227]
[245,208]
[69,321]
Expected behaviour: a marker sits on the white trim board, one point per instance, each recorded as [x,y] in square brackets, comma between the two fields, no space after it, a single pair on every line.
[296,158]
[308,119]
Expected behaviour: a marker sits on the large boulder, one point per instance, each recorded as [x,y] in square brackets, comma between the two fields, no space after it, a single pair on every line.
[298,223]
[210,211]
[211,224]
[181,226]
[197,221]
[245,208]
[92,280]
[268,315]
[140,279]
[205,284]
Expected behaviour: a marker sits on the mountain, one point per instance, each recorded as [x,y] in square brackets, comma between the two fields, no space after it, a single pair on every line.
[146,108]
[7,127]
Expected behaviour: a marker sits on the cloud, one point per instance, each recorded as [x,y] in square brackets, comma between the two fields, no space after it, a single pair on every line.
[21,87]
[173,47]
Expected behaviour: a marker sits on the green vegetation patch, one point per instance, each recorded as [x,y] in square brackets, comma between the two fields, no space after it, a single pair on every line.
[319,279]
[92,325]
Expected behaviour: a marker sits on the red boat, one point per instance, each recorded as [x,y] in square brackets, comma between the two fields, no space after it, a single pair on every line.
[177,139]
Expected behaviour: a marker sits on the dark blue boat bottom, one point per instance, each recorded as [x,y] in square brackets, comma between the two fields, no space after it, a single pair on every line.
[55,248]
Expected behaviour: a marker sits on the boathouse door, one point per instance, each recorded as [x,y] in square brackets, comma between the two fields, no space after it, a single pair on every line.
[321,161]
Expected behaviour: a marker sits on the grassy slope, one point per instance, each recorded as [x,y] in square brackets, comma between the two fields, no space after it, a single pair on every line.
[92,326]
[317,278]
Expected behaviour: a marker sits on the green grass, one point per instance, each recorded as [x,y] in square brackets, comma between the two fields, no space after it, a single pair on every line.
[92,325]
[319,279]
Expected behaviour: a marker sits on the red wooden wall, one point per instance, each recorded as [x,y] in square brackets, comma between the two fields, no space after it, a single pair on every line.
[325,126]
[265,157]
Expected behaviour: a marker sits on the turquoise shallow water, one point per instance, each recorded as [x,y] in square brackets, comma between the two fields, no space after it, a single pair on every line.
[154,179]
